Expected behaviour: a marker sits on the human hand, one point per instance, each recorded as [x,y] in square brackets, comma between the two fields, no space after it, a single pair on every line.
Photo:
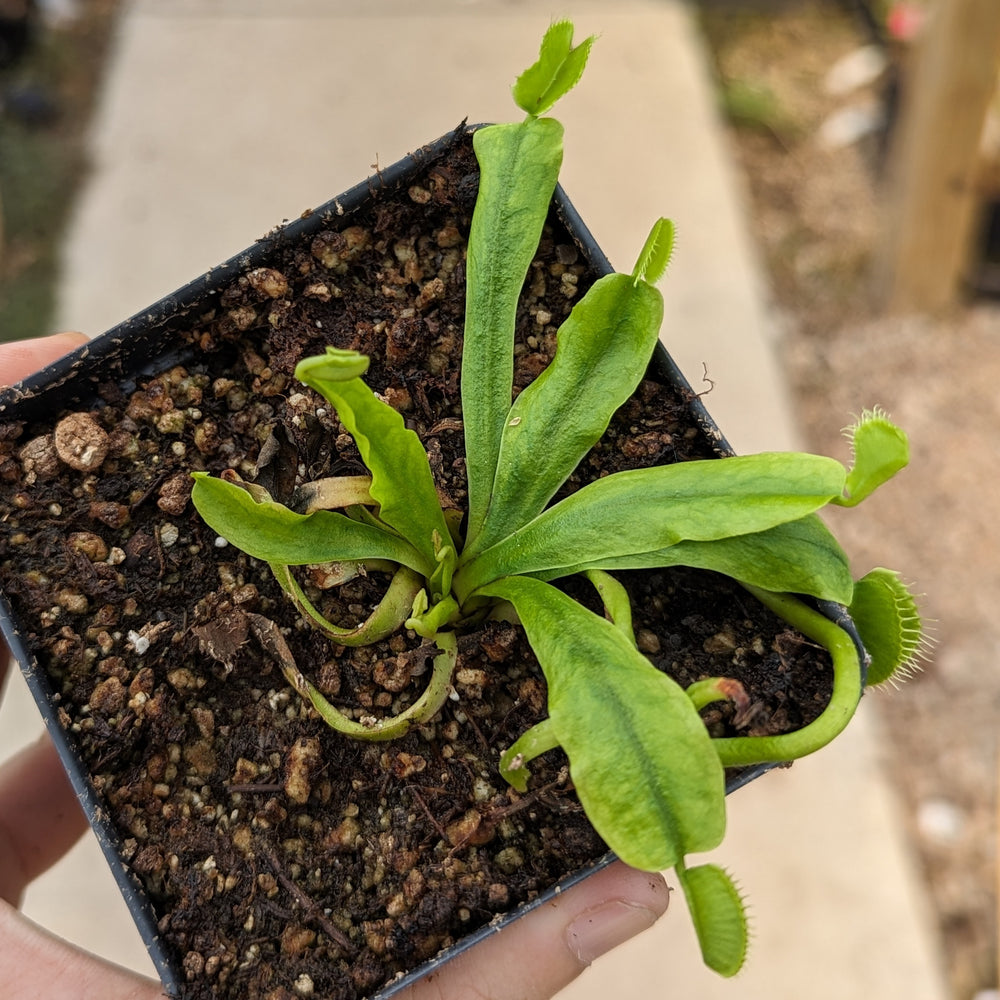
[547,949]
[40,820]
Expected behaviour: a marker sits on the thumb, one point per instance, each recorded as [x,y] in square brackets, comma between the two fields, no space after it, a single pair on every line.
[549,947]
[20,358]
[35,964]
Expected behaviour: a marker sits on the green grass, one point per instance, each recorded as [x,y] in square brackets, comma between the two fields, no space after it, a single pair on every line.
[41,168]
[38,176]
[751,105]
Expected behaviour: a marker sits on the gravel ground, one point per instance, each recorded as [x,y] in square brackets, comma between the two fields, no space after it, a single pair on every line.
[816,212]
[938,525]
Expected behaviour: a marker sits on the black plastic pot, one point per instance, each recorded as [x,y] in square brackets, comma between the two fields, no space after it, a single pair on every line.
[147,344]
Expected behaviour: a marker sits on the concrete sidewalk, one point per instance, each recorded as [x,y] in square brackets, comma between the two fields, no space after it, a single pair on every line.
[220,118]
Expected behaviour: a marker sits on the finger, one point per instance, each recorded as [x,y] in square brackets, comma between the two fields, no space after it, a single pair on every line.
[19,358]
[549,947]
[40,818]
[5,664]
[34,964]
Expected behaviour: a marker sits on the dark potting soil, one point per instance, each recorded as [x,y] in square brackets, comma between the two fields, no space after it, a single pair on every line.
[284,860]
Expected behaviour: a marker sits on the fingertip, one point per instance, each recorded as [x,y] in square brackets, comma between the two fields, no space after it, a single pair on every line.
[40,816]
[69,340]
[648,889]
[34,963]
[539,954]
[626,902]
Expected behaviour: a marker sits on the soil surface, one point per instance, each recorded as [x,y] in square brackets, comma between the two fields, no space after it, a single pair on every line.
[817,211]
[282,859]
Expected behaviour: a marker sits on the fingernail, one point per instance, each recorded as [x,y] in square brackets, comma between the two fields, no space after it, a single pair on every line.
[601,928]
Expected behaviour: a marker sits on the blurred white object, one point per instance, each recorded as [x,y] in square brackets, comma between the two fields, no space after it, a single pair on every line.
[857,69]
[940,820]
[847,125]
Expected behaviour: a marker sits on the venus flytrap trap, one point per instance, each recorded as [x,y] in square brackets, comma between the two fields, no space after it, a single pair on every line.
[623,724]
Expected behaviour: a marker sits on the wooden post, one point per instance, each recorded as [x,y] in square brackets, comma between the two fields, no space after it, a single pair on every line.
[931,191]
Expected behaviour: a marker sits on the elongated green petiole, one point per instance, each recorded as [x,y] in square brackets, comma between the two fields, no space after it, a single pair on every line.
[713,689]
[847,685]
[387,618]
[615,599]
[379,730]
[531,744]
[333,493]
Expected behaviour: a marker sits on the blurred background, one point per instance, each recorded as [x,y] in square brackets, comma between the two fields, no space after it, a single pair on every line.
[837,163]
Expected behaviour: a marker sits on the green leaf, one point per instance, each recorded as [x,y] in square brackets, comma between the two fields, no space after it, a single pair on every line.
[880,451]
[644,510]
[719,916]
[603,351]
[557,71]
[652,784]
[889,623]
[429,621]
[276,534]
[519,166]
[402,483]
[800,557]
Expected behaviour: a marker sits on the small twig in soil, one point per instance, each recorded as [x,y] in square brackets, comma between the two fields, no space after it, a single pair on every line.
[430,816]
[311,909]
[150,490]
[278,911]
[446,424]
[478,732]
[528,799]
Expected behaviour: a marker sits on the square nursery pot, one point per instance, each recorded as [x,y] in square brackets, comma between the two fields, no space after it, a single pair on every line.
[258,849]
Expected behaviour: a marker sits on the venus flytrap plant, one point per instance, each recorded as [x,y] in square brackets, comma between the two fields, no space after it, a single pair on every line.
[511,208]
[623,724]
